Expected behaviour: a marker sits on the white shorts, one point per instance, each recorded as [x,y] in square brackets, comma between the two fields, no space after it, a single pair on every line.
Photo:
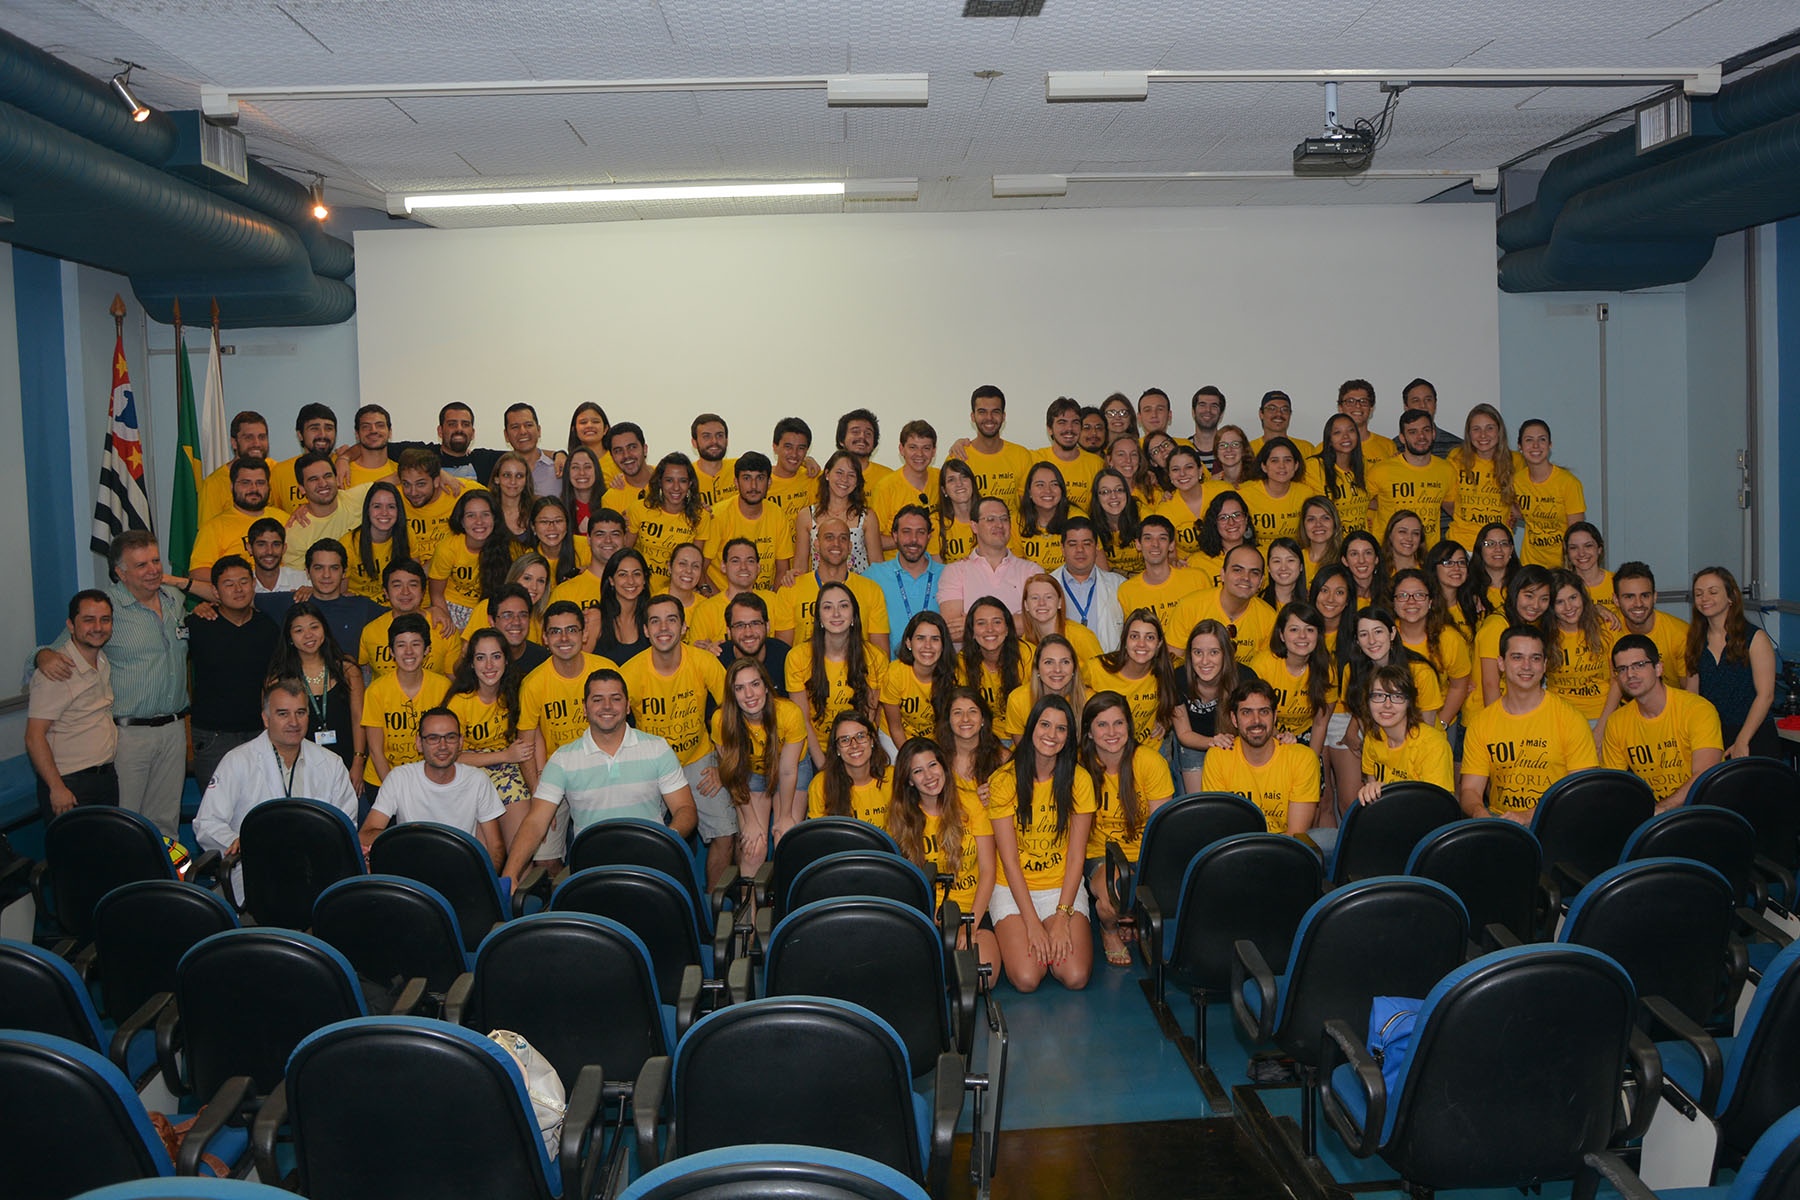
[717,815]
[1335,730]
[1001,905]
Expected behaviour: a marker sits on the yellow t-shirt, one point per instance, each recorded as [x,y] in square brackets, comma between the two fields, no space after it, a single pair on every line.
[1293,709]
[483,725]
[956,541]
[1078,476]
[387,707]
[1043,853]
[360,582]
[802,597]
[360,474]
[868,801]
[1376,447]
[659,532]
[1081,639]
[1423,756]
[1660,750]
[1153,782]
[1579,675]
[1185,520]
[1604,592]
[720,487]
[1353,506]
[215,494]
[1291,776]
[1425,683]
[991,685]
[838,696]
[225,534]
[1161,598]
[1457,662]
[620,500]
[427,527]
[790,730]
[1002,473]
[706,620]
[1275,516]
[1521,756]
[673,706]
[1044,549]
[582,589]
[1396,485]
[1476,500]
[284,488]
[1140,698]
[895,492]
[1546,508]
[553,705]
[1128,560]
[1487,645]
[373,652]
[1306,448]
[967,874]
[901,686]
[1670,635]
[790,495]
[1253,625]
[460,569]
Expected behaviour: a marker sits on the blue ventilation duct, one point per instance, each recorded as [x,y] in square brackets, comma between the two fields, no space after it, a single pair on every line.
[1608,219]
[88,185]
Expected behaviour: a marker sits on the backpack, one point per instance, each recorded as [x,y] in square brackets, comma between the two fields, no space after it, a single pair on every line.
[1391,1021]
[542,1084]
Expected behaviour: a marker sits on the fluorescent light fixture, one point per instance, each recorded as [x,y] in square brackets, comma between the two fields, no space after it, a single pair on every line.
[1096,85]
[1011,186]
[221,103]
[881,189]
[6,210]
[615,195]
[1016,186]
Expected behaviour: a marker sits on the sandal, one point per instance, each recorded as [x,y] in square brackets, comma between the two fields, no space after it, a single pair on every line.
[1116,953]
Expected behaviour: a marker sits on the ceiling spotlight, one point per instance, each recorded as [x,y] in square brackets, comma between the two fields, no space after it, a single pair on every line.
[140,112]
[319,208]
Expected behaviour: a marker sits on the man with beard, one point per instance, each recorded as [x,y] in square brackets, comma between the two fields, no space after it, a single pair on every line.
[1276,412]
[625,442]
[1634,591]
[1281,779]
[316,430]
[1209,411]
[707,623]
[1413,479]
[1000,466]
[249,439]
[1062,420]
[367,459]
[1234,604]
[858,433]
[718,481]
[328,512]
[1663,735]
[909,580]
[456,436]
[229,531]
[1523,742]
[748,514]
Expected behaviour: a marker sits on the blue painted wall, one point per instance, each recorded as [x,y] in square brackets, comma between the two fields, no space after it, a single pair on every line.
[44,416]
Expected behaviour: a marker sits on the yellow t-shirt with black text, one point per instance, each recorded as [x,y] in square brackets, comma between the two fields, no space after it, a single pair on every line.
[868,801]
[673,706]
[1660,750]
[1521,756]
[387,707]
[1423,756]
[553,705]
[1291,776]
[1043,853]
[1153,782]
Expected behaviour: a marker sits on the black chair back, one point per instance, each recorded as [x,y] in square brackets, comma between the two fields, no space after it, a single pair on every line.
[863,1104]
[91,851]
[403,1108]
[1541,1030]
[640,843]
[1718,837]
[773,1173]
[1667,921]
[812,840]
[1378,839]
[1391,936]
[862,873]
[42,993]
[141,931]
[453,863]
[1762,1072]
[1766,793]
[882,954]
[392,929]
[649,903]
[1256,887]
[291,851]
[1492,864]
[1584,820]
[69,1121]
[1183,827]
[247,997]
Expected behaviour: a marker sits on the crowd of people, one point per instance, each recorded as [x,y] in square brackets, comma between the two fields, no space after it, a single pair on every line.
[1008,657]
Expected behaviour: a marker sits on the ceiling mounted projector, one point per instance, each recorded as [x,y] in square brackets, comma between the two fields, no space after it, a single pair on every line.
[1342,153]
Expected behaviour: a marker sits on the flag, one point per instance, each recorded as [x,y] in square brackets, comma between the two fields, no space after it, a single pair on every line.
[184,506]
[120,503]
[215,446]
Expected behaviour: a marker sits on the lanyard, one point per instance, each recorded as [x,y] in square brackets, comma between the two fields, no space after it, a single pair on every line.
[1081,607]
[900,578]
[287,781]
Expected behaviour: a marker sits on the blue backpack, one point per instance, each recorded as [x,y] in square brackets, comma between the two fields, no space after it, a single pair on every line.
[1391,1021]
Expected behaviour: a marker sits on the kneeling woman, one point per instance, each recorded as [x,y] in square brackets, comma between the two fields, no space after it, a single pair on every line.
[1042,807]
[945,830]
[760,737]
[1133,781]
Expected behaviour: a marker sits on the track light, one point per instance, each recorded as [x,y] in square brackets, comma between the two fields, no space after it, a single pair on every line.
[140,112]
[320,210]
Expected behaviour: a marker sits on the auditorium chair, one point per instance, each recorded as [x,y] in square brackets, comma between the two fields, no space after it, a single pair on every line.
[1771,1171]
[660,911]
[1583,821]
[773,1172]
[394,931]
[89,851]
[1178,830]
[1494,866]
[290,851]
[458,866]
[41,993]
[141,931]
[1378,839]
[1765,792]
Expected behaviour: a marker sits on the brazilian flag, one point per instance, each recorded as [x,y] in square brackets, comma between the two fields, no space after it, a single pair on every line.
[184,508]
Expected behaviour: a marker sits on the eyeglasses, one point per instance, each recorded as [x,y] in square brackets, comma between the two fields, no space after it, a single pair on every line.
[1231,445]
[1460,564]
[1414,597]
[1387,697]
[1356,402]
[1628,668]
[846,740]
[440,739]
[1496,543]
[746,626]
[1232,516]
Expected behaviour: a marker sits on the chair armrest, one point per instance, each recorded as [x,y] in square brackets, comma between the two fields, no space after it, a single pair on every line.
[456,1000]
[765,925]
[1118,869]
[1646,1066]
[1712,1063]
[646,1107]
[1499,937]
[227,864]
[1550,899]
[965,968]
[763,880]
[226,1105]
[688,1002]
[948,922]
[83,962]
[730,881]
[1760,925]
[265,1130]
[168,1041]
[410,998]
[1341,1039]
[1150,934]
[1247,963]
[19,866]
[208,866]
[738,983]
[40,872]
[135,1024]
[585,1110]
[947,1102]
[1773,870]
[723,929]
[1564,872]
[1621,1177]
[535,882]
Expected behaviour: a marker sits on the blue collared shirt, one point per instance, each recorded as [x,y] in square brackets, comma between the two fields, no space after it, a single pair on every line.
[906,594]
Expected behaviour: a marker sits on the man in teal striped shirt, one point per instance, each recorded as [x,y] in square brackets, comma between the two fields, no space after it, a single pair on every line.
[610,773]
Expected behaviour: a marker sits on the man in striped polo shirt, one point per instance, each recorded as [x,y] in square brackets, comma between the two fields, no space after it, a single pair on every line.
[612,772]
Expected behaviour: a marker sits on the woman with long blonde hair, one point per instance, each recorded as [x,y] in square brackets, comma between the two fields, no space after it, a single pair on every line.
[945,831]
[760,737]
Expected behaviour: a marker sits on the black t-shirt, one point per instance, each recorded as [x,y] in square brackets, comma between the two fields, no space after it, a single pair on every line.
[477,464]
[774,660]
[531,657]
[1203,715]
[230,663]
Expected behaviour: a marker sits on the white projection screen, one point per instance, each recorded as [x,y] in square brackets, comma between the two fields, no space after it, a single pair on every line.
[760,318]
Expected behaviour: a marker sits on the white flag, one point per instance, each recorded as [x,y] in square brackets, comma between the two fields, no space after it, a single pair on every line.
[215,444]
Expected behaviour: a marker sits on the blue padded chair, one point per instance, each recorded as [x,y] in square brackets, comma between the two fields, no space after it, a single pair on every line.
[635,842]
[290,851]
[1771,1171]
[1747,1082]
[865,1104]
[1179,829]
[142,929]
[871,873]
[69,1122]
[457,865]
[809,840]
[89,851]
[1584,819]
[40,992]
[1539,1030]
[773,1172]
[183,1188]
[407,1108]
[1718,837]
[1765,792]
[1494,866]
[393,930]
[1378,839]
[1385,936]
[656,907]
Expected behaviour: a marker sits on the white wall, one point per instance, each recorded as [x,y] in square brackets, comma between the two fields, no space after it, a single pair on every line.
[759,318]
